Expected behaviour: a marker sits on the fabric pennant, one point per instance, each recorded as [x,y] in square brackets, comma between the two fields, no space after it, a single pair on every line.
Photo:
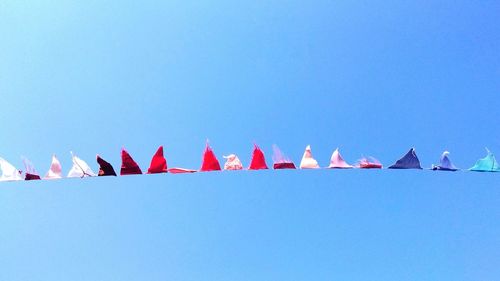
[408,161]
[129,166]
[105,169]
[31,173]
[368,163]
[209,162]
[177,170]
[55,171]
[337,162]
[232,163]
[445,163]
[9,172]
[308,162]
[80,168]
[258,161]
[158,163]
[486,164]
[280,160]
[282,166]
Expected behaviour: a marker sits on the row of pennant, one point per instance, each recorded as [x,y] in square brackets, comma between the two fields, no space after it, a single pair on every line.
[81,169]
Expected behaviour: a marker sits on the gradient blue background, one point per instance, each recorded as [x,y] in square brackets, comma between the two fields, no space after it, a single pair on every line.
[371,77]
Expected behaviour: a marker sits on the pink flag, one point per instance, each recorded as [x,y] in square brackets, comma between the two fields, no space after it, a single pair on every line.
[368,163]
[337,162]
[176,170]
[55,171]
[308,162]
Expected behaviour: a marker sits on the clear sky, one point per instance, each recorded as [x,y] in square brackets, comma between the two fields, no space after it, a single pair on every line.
[371,77]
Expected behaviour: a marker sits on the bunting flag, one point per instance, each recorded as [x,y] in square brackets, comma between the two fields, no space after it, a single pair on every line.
[55,171]
[232,163]
[209,162]
[158,163]
[9,172]
[337,162]
[368,163]
[445,163]
[31,173]
[486,164]
[258,160]
[408,161]
[181,170]
[80,168]
[105,169]
[129,166]
[308,162]
[281,161]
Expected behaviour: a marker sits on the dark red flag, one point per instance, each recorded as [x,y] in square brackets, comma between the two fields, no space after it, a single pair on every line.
[284,165]
[129,166]
[30,177]
[105,169]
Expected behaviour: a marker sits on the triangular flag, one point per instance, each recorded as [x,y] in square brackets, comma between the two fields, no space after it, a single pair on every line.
[177,170]
[158,163]
[337,162]
[80,168]
[308,162]
[9,172]
[408,161]
[55,171]
[129,166]
[286,165]
[486,164]
[30,177]
[105,169]
[281,161]
[445,163]
[31,173]
[232,162]
[368,163]
[258,160]
[210,162]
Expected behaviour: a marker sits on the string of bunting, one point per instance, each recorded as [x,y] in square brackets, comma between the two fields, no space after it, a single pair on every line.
[129,166]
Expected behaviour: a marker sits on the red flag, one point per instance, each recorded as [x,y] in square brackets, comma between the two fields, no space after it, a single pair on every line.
[158,163]
[210,162]
[258,160]
[129,166]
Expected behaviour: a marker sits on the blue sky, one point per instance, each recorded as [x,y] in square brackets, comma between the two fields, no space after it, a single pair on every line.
[373,78]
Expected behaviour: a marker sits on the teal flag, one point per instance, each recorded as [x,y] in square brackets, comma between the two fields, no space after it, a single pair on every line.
[486,164]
